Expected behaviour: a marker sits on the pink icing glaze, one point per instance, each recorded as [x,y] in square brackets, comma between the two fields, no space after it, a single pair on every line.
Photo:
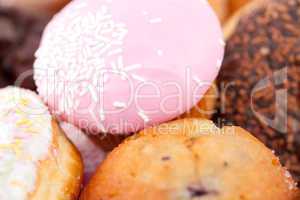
[119,66]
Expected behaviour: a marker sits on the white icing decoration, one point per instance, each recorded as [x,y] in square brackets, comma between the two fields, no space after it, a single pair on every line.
[204,2]
[219,63]
[160,52]
[75,56]
[144,12]
[138,78]
[195,78]
[119,105]
[25,139]
[222,42]
[144,116]
[155,20]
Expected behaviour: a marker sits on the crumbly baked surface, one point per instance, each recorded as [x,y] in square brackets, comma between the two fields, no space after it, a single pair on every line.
[191,159]
[61,174]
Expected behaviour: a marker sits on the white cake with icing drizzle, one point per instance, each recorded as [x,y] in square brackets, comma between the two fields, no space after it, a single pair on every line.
[25,139]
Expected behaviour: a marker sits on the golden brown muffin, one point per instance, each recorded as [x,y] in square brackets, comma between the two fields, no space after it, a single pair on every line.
[206,107]
[191,159]
[221,8]
[37,162]
[260,76]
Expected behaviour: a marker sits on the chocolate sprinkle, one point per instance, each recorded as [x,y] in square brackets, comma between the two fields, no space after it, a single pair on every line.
[261,72]
[19,39]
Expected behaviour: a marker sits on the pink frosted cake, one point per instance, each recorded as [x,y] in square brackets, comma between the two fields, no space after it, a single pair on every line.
[119,66]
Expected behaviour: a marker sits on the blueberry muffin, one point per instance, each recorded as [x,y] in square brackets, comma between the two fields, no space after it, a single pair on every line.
[191,159]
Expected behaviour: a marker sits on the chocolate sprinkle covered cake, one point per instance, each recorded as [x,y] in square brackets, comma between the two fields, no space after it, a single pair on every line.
[260,77]
[19,38]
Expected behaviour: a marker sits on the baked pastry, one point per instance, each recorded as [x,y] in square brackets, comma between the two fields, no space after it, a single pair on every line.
[221,8]
[260,76]
[120,70]
[136,74]
[19,39]
[36,160]
[191,159]
[35,6]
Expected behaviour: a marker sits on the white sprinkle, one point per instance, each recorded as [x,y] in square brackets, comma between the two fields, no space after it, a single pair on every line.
[155,20]
[80,5]
[121,25]
[287,174]
[195,78]
[273,152]
[114,66]
[132,67]
[138,78]
[120,62]
[115,51]
[219,63]
[77,103]
[93,93]
[123,77]
[102,115]
[160,52]
[119,105]
[122,74]
[105,78]
[204,1]
[102,128]
[222,42]
[143,116]
[104,49]
[144,13]
[38,52]
[61,73]
[104,9]
[291,184]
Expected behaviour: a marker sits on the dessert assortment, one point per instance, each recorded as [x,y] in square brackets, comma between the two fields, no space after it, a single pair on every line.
[121,93]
